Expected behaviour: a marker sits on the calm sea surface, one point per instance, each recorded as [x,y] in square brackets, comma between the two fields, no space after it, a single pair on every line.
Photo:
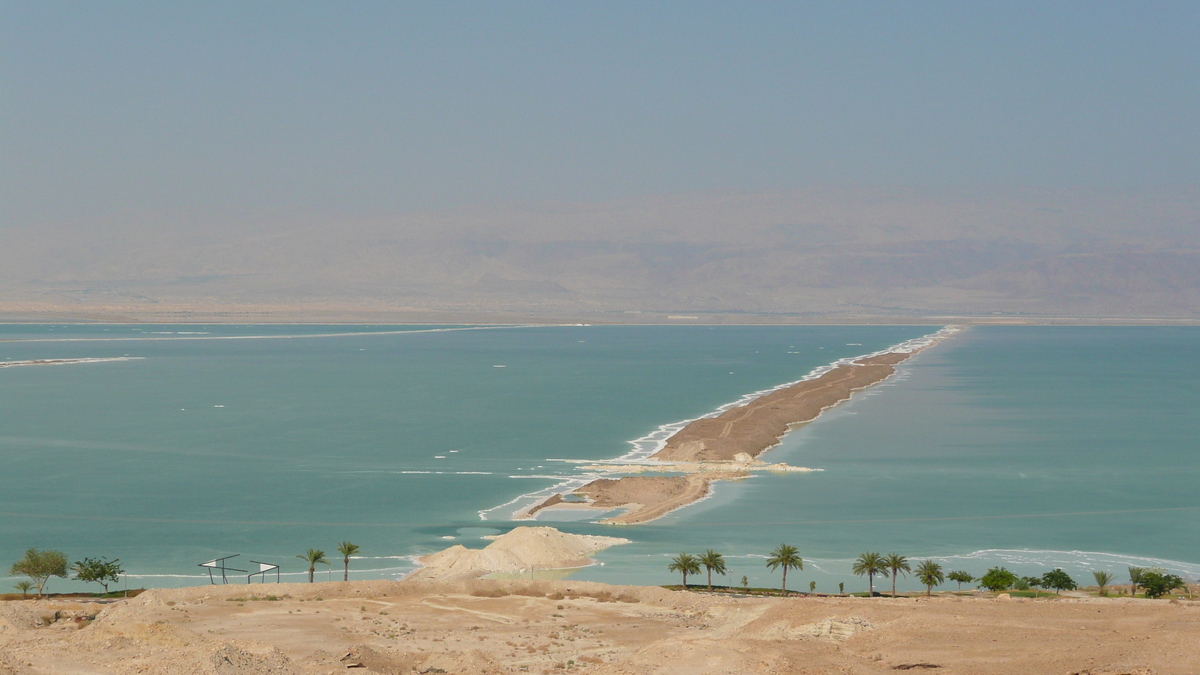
[1031,447]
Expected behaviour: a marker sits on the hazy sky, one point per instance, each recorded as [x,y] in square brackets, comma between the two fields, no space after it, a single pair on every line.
[110,107]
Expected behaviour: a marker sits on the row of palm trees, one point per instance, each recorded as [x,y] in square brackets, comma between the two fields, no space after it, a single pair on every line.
[315,556]
[787,557]
[928,572]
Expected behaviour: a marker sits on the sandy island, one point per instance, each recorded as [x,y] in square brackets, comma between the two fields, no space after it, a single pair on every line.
[726,447]
[487,627]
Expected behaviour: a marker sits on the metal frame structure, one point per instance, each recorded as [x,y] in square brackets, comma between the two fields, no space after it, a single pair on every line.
[263,568]
[219,564]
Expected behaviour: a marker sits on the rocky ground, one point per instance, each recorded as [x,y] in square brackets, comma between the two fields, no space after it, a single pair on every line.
[480,626]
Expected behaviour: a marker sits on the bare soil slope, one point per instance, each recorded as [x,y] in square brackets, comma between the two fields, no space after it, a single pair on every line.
[477,627]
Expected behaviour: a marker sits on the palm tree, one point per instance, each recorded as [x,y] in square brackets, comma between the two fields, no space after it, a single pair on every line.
[930,574]
[713,561]
[896,564]
[347,549]
[1135,580]
[24,587]
[869,564]
[786,557]
[685,564]
[1103,579]
[314,557]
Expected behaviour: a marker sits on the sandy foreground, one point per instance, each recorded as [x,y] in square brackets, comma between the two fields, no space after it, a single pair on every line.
[487,626]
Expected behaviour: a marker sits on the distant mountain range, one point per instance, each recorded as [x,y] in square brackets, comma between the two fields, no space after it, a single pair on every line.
[819,252]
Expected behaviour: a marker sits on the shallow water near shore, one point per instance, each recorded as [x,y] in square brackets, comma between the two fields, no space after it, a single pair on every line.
[1025,446]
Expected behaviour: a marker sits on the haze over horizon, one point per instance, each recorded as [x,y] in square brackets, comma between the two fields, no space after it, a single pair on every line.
[812,161]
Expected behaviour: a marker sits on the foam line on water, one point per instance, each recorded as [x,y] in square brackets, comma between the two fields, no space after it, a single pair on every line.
[1086,560]
[1022,561]
[925,519]
[66,362]
[283,337]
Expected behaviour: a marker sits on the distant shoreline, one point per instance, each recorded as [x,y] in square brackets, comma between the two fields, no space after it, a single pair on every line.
[334,315]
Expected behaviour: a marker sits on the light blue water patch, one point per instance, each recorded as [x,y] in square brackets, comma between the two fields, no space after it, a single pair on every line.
[1031,447]
[392,437]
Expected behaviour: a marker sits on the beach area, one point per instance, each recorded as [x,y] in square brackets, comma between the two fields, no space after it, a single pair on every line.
[405,439]
[487,627]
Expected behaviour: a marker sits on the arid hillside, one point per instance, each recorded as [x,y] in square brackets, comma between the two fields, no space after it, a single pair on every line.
[491,627]
[819,252]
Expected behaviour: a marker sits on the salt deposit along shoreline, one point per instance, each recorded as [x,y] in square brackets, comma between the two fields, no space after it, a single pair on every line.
[726,446]
[65,362]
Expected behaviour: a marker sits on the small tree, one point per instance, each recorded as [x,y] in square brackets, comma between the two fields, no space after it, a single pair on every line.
[1158,583]
[930,574]
[39,566]
[713,561]
[745,584]
[998,579]
[812,587]
[1135,580]
[346,549]
[1103,579]
[1035,583]
[869,564]
[841,588]
[685,564]
[960,577]
[786,557]
[314,557]
[100,570]
[24,587]
[1058,580]
[1028,583]
[896,564]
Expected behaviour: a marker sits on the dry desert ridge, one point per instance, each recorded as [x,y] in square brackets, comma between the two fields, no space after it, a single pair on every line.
[446,620]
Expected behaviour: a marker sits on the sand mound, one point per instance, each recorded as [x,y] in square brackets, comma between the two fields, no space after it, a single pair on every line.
[16,616]
[379,661]
[234,660]
[831,629]
[10,666]
[834,629]
[521,549]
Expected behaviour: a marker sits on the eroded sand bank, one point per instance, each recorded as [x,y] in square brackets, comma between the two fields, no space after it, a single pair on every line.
[485,627]
[757,426]
[727,446]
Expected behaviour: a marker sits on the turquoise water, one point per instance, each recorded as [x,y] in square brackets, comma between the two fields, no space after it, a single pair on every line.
[1025,446]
